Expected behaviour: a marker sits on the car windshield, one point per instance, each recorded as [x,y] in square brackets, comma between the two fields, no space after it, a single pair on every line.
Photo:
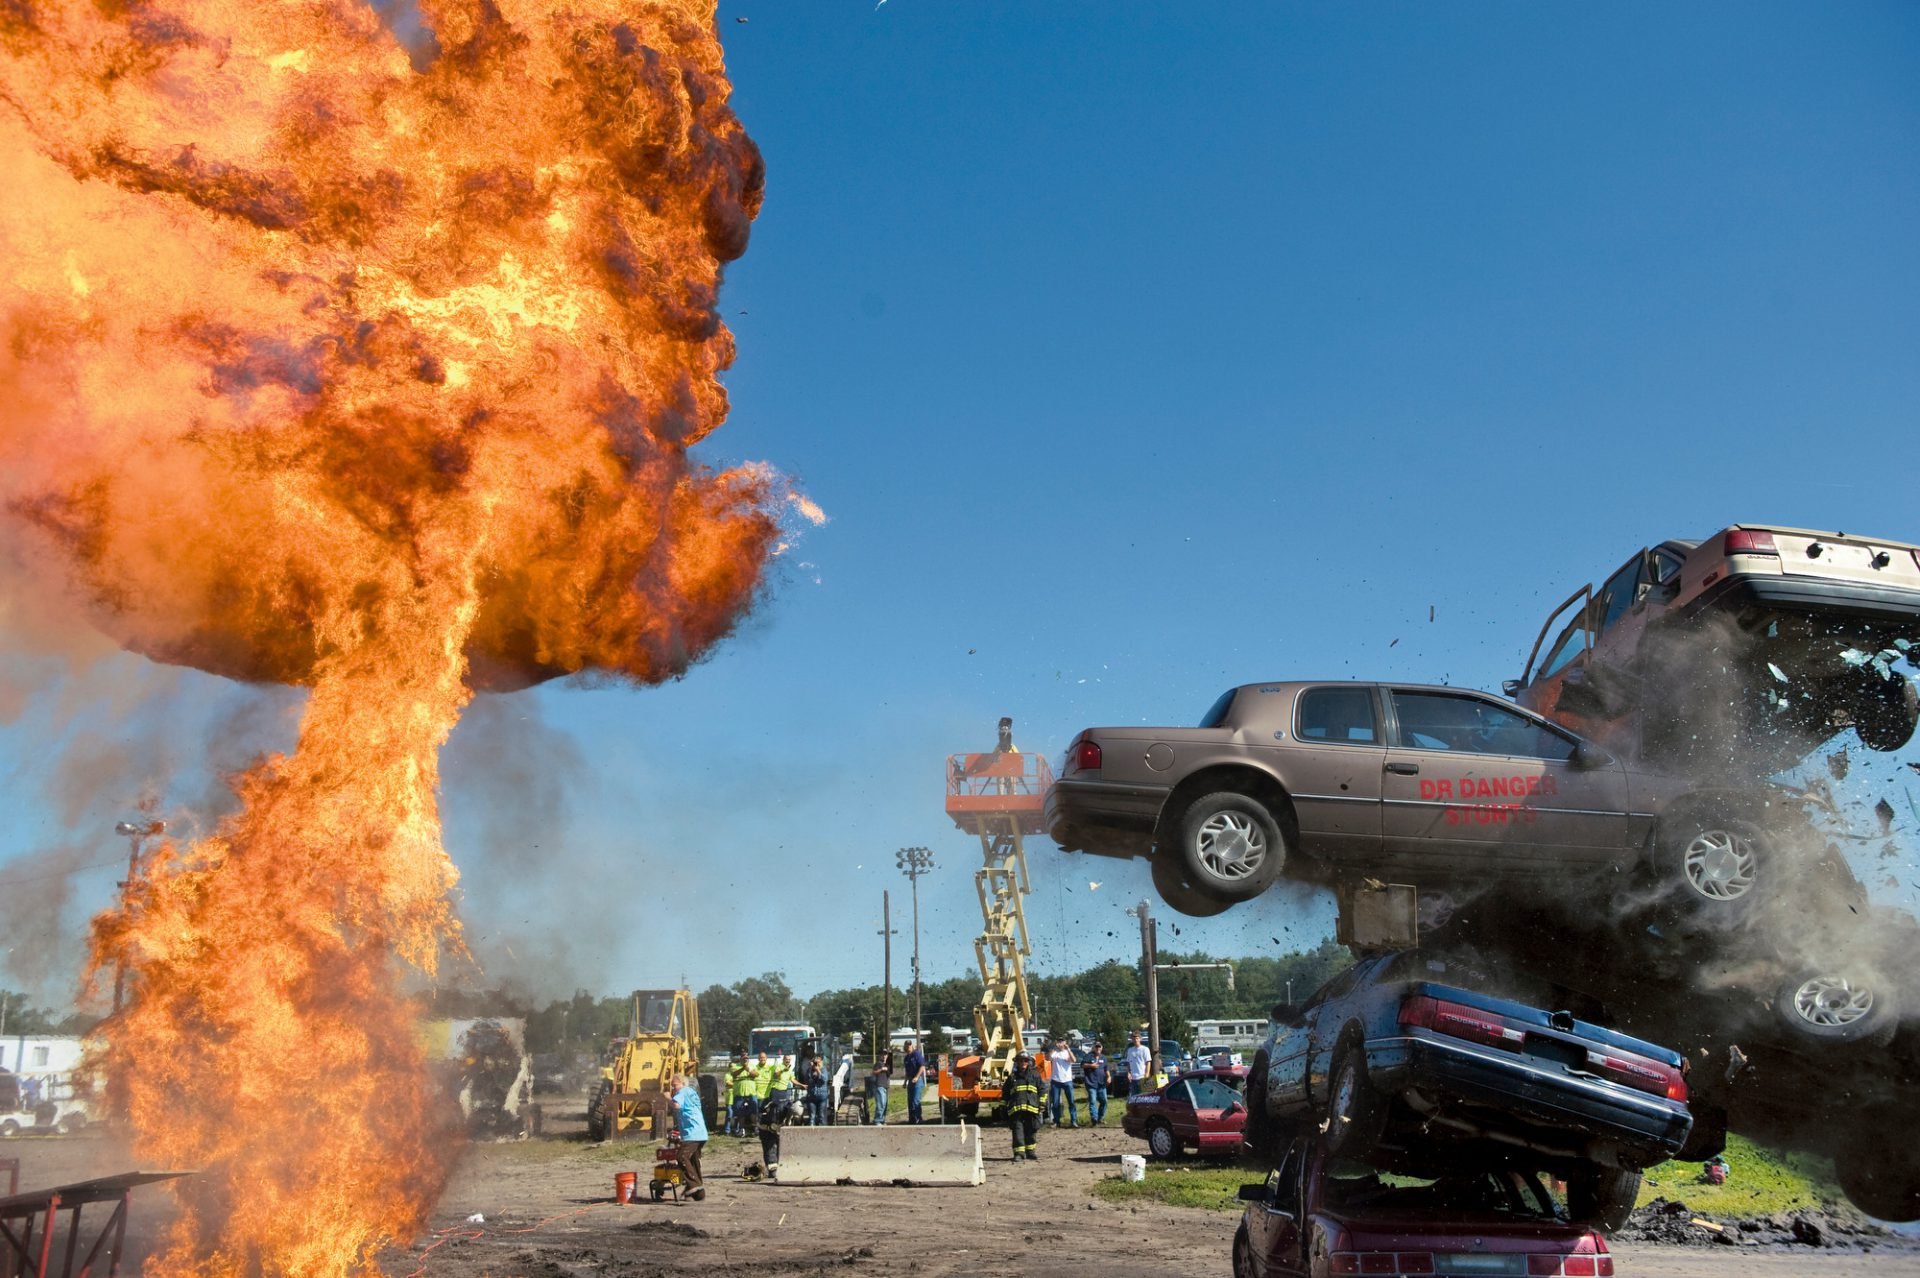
[1359,1189]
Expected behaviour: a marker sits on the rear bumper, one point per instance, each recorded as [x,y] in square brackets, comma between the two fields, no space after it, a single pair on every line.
[1104,817]
[1511,1093]
[1827,596]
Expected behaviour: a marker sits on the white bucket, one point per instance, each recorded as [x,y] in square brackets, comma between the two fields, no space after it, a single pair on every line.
[1133,1167]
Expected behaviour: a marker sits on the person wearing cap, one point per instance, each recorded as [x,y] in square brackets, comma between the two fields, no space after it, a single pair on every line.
[1022,1094]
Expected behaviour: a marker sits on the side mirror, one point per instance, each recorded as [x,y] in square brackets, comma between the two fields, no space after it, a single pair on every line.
[1511,687]
[1286,1014]
[1588,756]
[1252,1193]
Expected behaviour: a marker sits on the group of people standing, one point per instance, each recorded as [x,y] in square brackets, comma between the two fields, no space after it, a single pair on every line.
[771,1089]
[1022,1091]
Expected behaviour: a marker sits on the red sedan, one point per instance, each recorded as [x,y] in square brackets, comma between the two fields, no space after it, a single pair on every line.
[1320,1214]
[1203,1109]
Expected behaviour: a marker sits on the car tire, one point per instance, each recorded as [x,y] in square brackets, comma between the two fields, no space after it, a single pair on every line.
[1356,1113]
[1256,1134]
[1828,1010]
[1161,1142]
[1714,864]
[1242,1253]
[1231,848]
[598,1125]
[1886,712]
[1173,889]
[9,1129]
[1602,1197]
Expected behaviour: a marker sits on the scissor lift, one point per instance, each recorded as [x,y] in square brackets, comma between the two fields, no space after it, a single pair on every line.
[998,796]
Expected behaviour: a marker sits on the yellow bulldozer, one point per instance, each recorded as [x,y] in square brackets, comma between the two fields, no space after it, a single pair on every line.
[663,1039]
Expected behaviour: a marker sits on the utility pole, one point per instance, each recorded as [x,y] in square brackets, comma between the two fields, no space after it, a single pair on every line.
[886,978]
[135,832]
[1150,977]
[913,863]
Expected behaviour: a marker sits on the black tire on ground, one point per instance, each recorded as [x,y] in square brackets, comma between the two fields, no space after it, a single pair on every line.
[1172,886]
[598,1128]
[1256,1134]
[1602,1196]
[70,1123]
[1161,1142]
[710,1102]
[1885,713]
[1231,848]
[1832,1010]
[1242,1253]
[949,1111]
[1880,1176]
[1707,1137]
[9,1129]
[1713,865]
[1356,1113]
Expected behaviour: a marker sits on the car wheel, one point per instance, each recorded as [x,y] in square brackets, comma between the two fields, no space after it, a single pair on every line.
[1886,712]
[1173,889]
[1230,846]
[1356,1114]
[1242,1253]
[9,1129]
[1257,1132]
[1716,863]
[1602,1197]
[1160,1139]
[1829,1009]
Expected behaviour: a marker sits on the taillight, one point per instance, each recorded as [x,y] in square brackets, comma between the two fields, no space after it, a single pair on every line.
[1641,1074]
[1751,541]
[1343,1262]
[1579,1266]
[1551,1265]
[1456,1020]
[1083,756]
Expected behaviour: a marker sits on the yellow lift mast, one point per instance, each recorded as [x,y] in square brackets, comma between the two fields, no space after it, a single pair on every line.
[998,796]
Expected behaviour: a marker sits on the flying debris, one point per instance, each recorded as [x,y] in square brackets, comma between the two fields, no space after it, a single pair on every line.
[1093,887]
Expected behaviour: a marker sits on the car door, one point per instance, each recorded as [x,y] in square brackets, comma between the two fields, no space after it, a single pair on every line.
[1332,772]
[1273,1228]
[1540,685]
[1473,784]
[1176,1106]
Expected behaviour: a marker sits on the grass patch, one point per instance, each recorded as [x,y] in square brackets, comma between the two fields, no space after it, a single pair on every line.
[1182,1185]
[1760,1182]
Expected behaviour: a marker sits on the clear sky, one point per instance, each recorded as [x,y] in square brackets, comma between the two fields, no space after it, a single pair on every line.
[1139,350]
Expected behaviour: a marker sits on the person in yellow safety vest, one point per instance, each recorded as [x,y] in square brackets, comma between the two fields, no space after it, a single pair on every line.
[1022,1092]
[743,1095]
[777,1080]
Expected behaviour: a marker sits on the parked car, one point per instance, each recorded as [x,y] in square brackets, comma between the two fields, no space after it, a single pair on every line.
[1768,638]
[1202,1109]
[1425,1047]
[1320,1213]
[1429,785]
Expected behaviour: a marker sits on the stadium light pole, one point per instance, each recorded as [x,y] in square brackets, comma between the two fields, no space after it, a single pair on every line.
[913,863]
[136,832]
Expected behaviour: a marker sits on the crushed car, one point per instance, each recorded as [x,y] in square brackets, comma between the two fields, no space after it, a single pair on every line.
[1202,1110]
[1422,1055]
[1435,785]
[1746,649]
[1322,1213]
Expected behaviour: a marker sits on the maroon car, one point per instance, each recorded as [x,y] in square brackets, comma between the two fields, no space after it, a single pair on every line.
[1319,1214]
[1202,1109]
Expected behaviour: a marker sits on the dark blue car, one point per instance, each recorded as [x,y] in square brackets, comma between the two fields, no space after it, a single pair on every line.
[1417,1056]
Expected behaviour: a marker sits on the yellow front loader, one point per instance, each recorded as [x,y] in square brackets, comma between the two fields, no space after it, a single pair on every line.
[663,1039]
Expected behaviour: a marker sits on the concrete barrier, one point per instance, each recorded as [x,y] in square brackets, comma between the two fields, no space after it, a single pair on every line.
[918,1154]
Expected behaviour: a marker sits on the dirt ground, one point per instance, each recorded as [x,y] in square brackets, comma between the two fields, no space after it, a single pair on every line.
[548,1213]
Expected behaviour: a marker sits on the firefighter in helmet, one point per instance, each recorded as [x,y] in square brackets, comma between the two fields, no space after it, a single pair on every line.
[1023,1090]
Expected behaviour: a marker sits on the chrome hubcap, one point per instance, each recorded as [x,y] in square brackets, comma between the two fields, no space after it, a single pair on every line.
[1232,845]
[1832,1001]
[1720,865]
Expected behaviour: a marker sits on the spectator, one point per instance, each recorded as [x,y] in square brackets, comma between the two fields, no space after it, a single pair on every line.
[1095,1074]
[819,1093]
[916,1067]
[880,1083]
[1062,1084]
[742,1094]
[1139,1063]
[691,1124]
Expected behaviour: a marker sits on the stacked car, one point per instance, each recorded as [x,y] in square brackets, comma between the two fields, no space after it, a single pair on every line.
[1618,835]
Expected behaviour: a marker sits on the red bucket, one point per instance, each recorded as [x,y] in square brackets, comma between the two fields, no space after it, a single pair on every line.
[623,1183]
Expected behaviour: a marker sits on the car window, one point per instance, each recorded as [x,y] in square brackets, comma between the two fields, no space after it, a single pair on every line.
[1618,595]
[1437,721]
[1217,712]
[1571,643]
[1214,1093]
[1338,714]
[1178,1091]
[1283,1191]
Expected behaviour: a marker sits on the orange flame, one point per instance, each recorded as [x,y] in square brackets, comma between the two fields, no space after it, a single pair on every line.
[322,367]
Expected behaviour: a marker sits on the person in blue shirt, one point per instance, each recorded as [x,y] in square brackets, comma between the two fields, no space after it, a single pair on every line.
[916,1067]
[691,1122]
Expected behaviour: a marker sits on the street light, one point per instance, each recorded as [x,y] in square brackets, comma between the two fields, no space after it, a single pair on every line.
[913,863]
[135,832]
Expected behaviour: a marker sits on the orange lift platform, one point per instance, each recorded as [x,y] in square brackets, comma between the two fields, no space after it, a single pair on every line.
[27,1225]
[1000,797]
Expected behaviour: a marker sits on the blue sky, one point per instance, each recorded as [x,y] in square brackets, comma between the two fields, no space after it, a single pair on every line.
[1139,350]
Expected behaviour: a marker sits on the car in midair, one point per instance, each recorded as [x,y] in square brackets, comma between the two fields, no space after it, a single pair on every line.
[1744,650]
[1424,1054]
[1202,1110]
[1321,1213]
[1429,785]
